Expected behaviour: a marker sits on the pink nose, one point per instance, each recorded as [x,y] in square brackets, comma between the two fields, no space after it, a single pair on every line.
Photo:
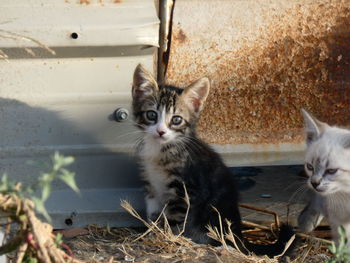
[161,133]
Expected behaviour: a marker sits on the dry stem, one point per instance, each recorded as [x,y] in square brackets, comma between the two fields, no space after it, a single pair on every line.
[34,238]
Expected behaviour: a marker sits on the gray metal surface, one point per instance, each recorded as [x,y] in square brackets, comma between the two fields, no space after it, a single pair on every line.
[66,102]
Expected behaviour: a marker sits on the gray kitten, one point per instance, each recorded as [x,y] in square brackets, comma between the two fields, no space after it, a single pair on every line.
[327,164]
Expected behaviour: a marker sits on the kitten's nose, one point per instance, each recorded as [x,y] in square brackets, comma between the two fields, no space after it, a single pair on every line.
[161,133]
[315,184]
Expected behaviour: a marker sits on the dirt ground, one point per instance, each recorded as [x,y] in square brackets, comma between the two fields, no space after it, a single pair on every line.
[279,189]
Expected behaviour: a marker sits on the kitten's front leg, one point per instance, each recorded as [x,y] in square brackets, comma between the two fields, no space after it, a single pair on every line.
[153,208]
[153,204]
[310,217]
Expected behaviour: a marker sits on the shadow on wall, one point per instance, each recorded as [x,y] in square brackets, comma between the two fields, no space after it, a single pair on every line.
[34,133]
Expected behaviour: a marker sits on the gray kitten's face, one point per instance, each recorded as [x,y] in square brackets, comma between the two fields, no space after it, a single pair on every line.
[164,116]
[327,160]
[166,113]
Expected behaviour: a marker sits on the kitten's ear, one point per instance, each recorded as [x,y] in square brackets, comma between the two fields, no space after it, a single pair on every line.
[144,84]
[196,94]
[313,127]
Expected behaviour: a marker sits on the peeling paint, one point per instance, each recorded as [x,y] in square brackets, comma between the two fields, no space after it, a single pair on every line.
[266,60]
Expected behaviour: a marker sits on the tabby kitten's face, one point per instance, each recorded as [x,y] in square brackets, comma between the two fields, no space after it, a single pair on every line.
[327,161]
[166,113]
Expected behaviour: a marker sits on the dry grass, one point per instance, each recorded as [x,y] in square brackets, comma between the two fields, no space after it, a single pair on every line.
[156,243]
[177,242]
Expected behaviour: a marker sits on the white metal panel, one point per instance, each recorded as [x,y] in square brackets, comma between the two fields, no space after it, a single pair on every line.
[65,102]
[127,22]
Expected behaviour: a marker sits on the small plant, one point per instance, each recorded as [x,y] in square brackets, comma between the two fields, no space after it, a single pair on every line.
[341,252]
[32,240]
[43,185]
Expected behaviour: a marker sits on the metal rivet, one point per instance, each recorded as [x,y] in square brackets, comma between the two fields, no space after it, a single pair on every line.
[121,114]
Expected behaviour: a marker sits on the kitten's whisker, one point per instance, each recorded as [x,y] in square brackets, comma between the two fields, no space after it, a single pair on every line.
[135,135]
[192,143]
[129,133]
[332,203]
[183,147]
[299,193]
[293,184]
[138,144]
[187,145]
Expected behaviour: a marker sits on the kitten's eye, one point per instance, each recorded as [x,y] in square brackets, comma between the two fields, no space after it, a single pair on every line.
[176,120]
[331,171]
[151,115]
[309,167]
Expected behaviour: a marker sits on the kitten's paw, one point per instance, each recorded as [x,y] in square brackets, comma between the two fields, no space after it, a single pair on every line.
[307,222]
[306,227]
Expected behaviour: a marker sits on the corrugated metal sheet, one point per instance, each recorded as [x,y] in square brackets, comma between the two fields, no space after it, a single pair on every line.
[266,59]
[66,102]
[96,22]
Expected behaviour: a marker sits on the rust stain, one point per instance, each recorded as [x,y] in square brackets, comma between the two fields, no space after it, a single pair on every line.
[100,2]
[84,2]
[179,36]
[299,59]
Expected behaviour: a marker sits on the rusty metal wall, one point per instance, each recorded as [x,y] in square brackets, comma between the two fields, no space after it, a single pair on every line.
[266,60]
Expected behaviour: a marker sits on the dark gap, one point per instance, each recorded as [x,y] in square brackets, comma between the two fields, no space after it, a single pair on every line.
[74,35]
[166,55]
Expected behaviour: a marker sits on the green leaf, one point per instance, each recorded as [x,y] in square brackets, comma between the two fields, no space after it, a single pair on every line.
[67,160]
[61,161]
[46,191]
[32,260]
[46,177]
[39,206]
[58,239]
[4,186]
[341,252]
[69,178]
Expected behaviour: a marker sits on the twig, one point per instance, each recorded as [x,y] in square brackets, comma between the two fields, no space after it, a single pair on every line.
[266,211]
[325,241]
[21,252]
[187,200]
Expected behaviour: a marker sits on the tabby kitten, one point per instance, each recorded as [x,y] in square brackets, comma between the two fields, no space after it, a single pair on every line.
[172,156]
[327,163]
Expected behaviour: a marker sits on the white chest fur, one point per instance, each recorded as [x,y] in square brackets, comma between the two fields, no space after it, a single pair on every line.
[152,171]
